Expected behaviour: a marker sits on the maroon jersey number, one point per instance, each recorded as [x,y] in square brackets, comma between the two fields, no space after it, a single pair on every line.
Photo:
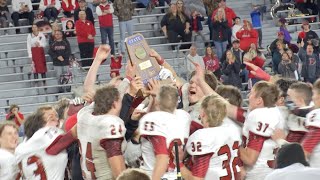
[113,129]
[40,171]
[262,126]
[226,163]
[196,147]
[149,126]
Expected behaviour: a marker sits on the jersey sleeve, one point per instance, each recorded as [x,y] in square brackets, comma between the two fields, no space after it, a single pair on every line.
[311,140]
[199,143]
[159,144]
[255,142]
[241,115]
[112,147]
[111,128]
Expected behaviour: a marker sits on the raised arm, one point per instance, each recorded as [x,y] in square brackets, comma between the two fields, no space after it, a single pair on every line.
[102,53]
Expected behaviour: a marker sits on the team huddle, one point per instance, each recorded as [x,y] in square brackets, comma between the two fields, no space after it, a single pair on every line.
[194,130]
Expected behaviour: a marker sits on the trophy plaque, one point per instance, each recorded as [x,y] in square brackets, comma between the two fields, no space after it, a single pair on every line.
[138,49]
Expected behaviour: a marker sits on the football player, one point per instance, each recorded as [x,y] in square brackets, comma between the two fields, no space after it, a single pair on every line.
[258,152]
[101,133]
[300,94]
[8,142]
[216,157]
[159,130]
[283,85]
[41,129]
[195,95]
[311,140]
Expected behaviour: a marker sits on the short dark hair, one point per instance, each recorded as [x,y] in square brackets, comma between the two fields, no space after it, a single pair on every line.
[104,99]
[304,90]
[210,79]
[231,94]
[35,121]
[237,17]
[283,85]
[289,154]
[12,106]
[61,106]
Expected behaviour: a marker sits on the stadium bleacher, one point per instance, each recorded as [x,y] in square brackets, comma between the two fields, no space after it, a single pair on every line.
[17,87]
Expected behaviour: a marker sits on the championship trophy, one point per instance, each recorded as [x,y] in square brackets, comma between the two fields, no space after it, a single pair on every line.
[138,49]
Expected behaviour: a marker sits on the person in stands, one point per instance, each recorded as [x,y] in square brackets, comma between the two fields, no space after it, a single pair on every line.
[36,42]
[69,6]
[211,62]
[175,24]
[21,9]
[15,115]
[50,9]
[83,7]
[5,17]
[104,12]
[247,35]
[124,10]
[85,38]
[306,35]
[220,32]
[60,52]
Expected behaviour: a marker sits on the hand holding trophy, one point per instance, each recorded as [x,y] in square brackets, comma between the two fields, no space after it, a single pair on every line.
[145,59]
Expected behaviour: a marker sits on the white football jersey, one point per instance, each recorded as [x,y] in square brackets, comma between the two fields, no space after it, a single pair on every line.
[35,162]
[285,115]
[171,126]
[297,118]
[194,112]
[313,120]
[262,122]
[91,130]
[8,165]
[223,142]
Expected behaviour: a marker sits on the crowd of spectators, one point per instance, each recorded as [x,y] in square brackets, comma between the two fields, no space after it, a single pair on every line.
[228,34]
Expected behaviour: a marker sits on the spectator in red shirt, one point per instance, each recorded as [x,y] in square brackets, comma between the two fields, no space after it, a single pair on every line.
[85,36]
[15,115]
[247,35]
[253,58]
[211,62]
[104,12]
[196,26]
[69,6]
[115,66]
